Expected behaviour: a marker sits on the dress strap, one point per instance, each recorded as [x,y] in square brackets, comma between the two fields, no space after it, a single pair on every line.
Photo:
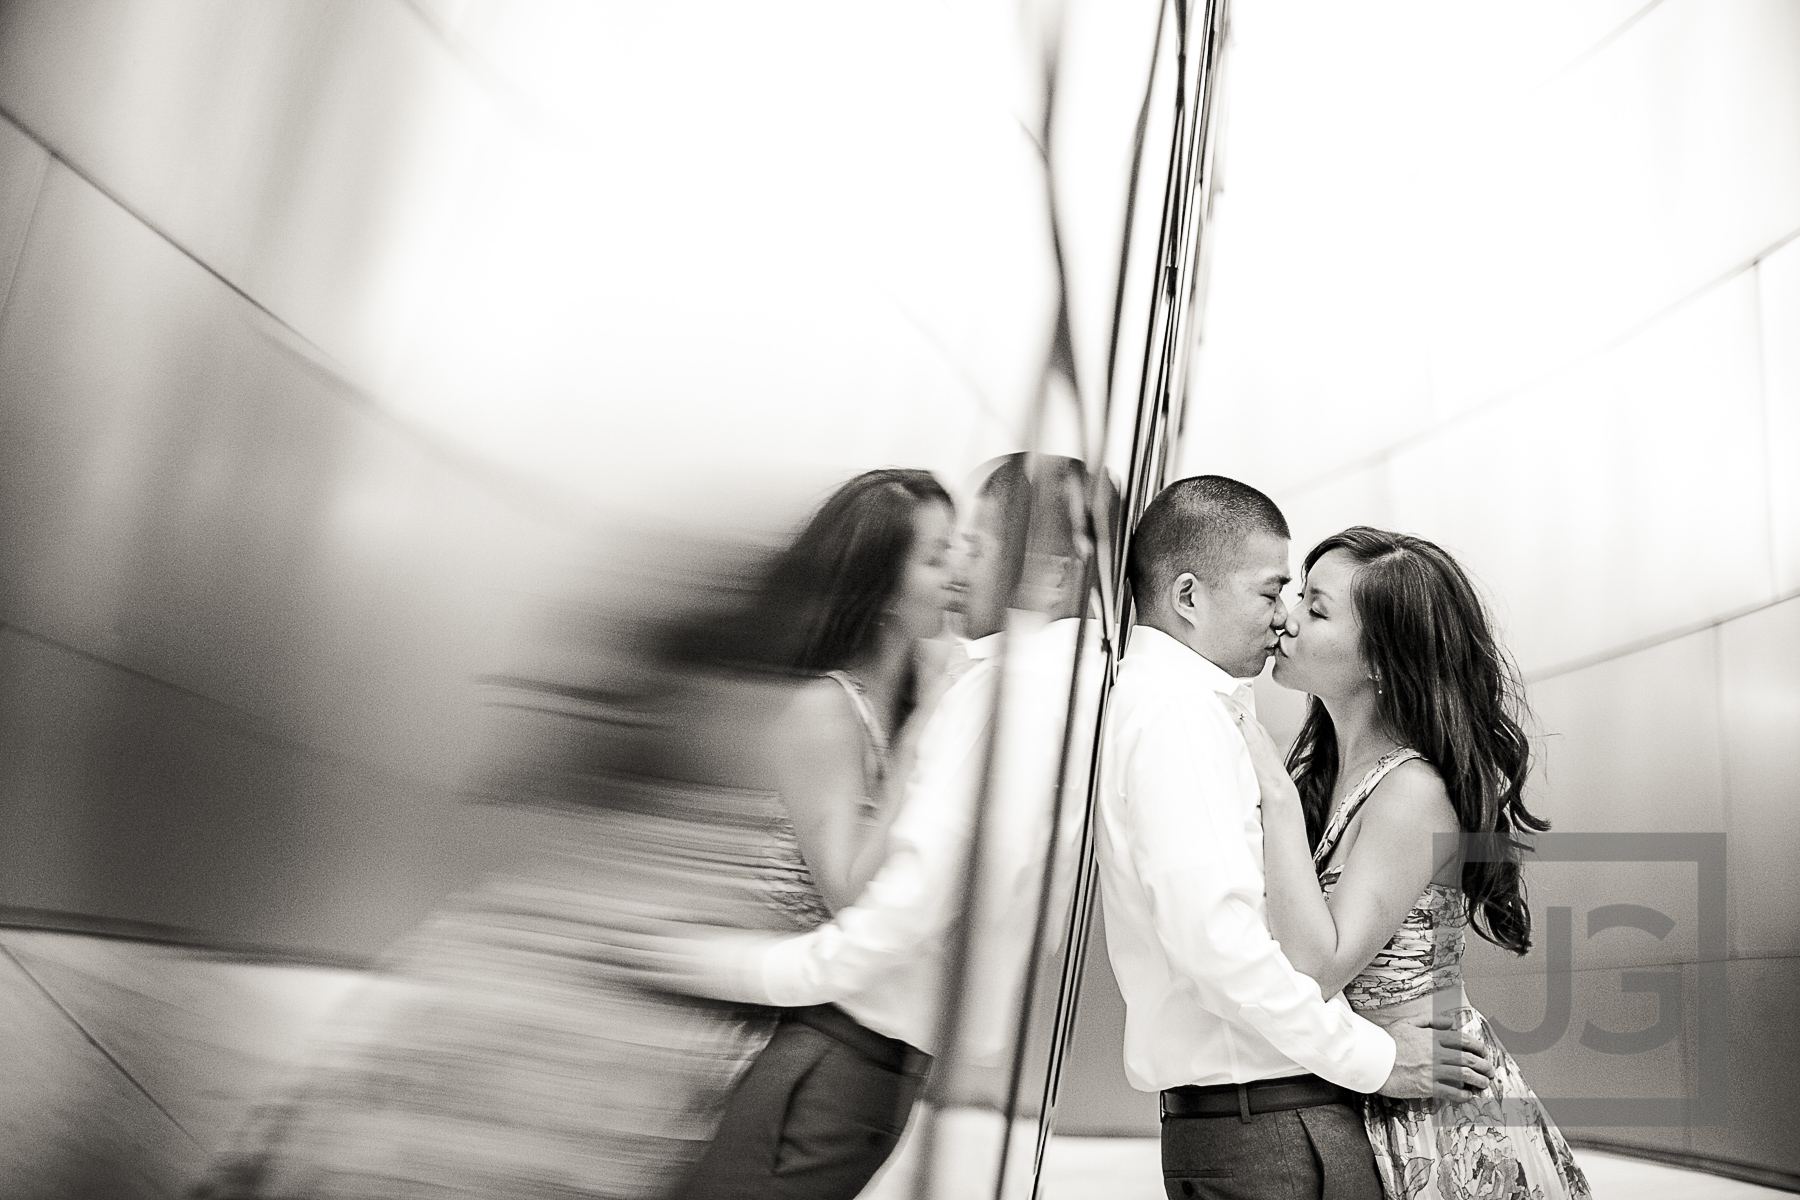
[860,702]
[875,758]
[1341,819]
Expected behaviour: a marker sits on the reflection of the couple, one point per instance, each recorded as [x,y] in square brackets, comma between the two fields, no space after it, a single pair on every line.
[723,976]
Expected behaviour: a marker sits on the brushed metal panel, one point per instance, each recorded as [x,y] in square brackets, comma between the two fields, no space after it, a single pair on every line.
[1569,1070]
[75,1126]
[193,498]
[1321,297]
[22,165]
[1621,500]
[1596,941]
[1759,680]
[1764,1044]
[1630,745]
[1778,278]
[1361,497]
[306,151]
[1095,1099]
[567,314]
[1383,266]
[1659,164]
[203,1035]
[127,798]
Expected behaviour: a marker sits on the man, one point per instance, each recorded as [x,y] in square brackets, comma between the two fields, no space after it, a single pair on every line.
[871,978]
[1256,1069]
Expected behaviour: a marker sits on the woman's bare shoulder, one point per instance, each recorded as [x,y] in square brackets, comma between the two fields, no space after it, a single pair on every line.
[818,714]
[1413,795]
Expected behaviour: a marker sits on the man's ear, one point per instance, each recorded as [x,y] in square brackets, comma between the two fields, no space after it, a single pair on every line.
[1055,571]
[1045,583]
[1184,599]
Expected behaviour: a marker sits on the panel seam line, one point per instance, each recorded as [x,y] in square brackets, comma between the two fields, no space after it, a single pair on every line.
[97,1044]
[1393,449]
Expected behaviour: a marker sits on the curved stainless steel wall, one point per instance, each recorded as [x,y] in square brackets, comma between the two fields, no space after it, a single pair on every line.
[243,608]
[336,335]
[1550,317]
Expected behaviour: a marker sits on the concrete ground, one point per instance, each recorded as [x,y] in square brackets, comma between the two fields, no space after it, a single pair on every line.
[127,1062]
[1124,1168]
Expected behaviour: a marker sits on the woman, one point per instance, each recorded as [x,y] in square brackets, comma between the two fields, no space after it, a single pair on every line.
[1410,740]
[495,1055]
[854,604]
[863,642]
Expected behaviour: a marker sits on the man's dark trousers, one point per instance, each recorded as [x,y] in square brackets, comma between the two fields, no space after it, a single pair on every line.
[815,1116]
[1289,1139]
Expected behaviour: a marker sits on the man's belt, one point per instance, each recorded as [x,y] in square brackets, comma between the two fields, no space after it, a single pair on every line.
[1244,1100]
[844,1029]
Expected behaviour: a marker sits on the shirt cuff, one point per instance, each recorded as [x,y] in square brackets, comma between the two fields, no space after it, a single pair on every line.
[724,967]
[1359,1057]
[790,972]
[1373,1060]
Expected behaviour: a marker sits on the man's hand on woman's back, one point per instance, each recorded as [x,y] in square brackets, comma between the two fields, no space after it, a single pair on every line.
[1434,1058]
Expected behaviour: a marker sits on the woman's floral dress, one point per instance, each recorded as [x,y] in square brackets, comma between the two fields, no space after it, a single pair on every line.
[1498,1145]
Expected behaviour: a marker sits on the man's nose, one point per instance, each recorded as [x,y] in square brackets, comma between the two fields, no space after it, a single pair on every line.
[1283,620]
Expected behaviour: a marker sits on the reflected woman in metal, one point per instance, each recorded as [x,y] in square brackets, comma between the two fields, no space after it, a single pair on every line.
[744,785]
[826,1101]
[850,604]
[1411,738]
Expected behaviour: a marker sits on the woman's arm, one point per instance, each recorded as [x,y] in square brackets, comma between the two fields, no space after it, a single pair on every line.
[933,680]
[872,838]
[1387,867]
[818,761]
[1386,870]
[1299,918]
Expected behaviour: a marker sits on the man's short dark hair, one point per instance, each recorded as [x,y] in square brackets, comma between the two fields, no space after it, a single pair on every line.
[1036,500]
[1197,524]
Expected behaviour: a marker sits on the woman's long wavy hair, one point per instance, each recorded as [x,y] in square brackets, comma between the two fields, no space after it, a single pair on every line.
[818,605]
[823,600]
[1449,691]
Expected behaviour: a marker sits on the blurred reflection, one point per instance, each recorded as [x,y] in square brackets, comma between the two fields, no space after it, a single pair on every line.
[805,846]
[936,951]
[733,770]
[275,229]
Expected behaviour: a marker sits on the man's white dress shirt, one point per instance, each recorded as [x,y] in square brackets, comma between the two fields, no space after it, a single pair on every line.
[880,959]
[1209,997]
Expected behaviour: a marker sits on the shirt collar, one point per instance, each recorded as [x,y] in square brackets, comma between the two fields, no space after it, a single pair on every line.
[1024,629]
[1149,644]
[984,647]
